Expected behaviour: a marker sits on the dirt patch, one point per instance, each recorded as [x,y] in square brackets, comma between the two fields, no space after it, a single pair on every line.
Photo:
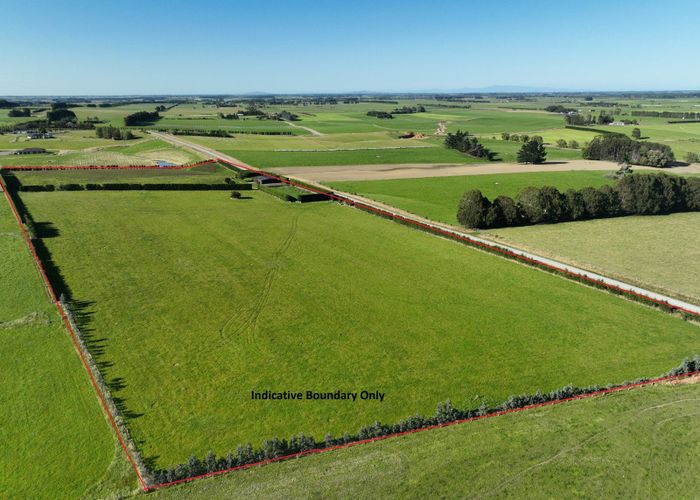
[31,318]
[418,170]
[694,379]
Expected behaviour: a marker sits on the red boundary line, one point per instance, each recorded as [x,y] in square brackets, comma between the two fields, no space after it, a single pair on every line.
[56,303]
[186,166]
[145,487]
[465,238]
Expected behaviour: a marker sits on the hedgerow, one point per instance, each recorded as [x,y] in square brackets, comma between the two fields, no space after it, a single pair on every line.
[445,413]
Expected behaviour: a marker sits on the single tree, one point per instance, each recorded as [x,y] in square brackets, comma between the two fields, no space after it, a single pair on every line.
[472,209]
[532,152]
[636,133]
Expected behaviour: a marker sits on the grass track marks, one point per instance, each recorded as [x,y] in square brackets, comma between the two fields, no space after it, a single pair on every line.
[251,315]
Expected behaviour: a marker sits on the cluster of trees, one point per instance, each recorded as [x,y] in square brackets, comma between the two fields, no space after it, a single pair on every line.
[284,116]
[115,133]
[141,118]
[380,114]
[572,144]
[60,114]
[632,195]
[620,148]
[532,151]
[230,116]
[252,109]
[407,110]
[558,108]
[445,413]
[19,112]
[463,142]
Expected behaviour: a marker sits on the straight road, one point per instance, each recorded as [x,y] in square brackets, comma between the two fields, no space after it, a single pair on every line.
[446,229]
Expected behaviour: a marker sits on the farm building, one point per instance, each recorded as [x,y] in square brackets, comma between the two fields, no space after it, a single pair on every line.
[263,179]
[39,135]
[30,151]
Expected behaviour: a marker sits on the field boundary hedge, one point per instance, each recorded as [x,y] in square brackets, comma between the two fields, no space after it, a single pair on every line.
[184,166]
[128,186]
[276,450]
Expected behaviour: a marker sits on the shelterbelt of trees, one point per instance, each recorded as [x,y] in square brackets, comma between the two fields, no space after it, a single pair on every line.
[633,194]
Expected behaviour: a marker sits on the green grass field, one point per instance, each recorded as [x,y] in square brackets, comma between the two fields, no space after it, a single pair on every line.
[437,197]
[140,152]
[660,252]
[208,174]
[200,299]
[642,443]
[56,442]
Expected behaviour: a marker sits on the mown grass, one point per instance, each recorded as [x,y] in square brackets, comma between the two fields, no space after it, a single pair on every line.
[437,197]
[640,443]
[661,252]
[56,442]
[195,300]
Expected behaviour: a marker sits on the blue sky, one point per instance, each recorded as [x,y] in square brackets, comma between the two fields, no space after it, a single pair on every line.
[206,46]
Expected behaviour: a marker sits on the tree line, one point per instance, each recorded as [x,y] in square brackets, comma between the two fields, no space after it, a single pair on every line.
[581,120]
[685,115]
[19,113]
[620,148]
[633,194]
[380,114]
[464,143]
[110,132]
[445,413]
[406,110]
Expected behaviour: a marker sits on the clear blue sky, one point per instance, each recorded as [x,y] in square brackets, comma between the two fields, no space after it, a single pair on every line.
[211,46]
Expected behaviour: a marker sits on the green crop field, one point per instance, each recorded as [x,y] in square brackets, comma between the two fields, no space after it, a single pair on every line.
[56,442]
[647,439]
[437,197]
[661,252]
[200,299]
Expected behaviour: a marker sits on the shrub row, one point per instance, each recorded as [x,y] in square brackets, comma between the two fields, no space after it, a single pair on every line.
[123,186]
[445,413]
[634,194]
